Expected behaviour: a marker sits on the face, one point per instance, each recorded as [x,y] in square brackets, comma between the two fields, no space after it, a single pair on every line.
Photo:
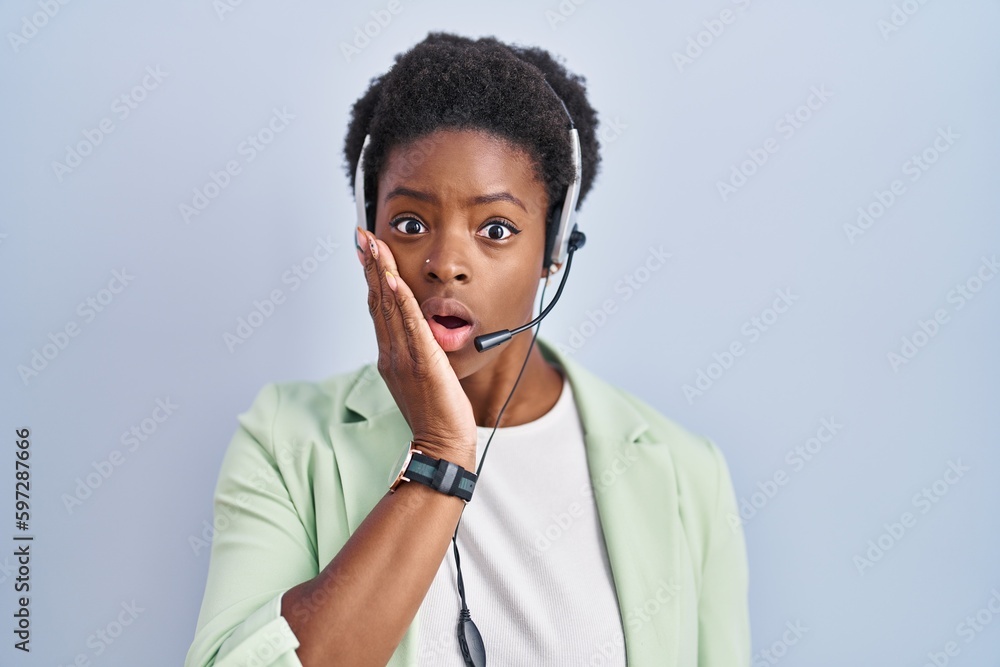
[464,215]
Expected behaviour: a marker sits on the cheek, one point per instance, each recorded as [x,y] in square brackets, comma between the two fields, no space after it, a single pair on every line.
[409,262]
[409,266]
[520,292]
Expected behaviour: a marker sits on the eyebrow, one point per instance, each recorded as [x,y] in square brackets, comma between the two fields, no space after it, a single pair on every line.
[431,199]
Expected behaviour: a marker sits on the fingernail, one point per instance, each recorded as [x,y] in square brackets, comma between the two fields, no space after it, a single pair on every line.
[371,242]
[391,279]
[357,238]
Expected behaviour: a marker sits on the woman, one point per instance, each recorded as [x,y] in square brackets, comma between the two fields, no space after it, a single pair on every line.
[601,533]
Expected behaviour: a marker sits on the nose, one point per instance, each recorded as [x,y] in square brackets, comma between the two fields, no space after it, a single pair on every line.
[448,258]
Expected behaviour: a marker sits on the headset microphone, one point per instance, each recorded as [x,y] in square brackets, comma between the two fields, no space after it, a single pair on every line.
[490,340]
[567,238]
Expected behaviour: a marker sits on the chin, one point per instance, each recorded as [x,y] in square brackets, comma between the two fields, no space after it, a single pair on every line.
[468,360]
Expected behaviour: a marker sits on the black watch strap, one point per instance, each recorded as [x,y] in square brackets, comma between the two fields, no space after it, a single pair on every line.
[444,476]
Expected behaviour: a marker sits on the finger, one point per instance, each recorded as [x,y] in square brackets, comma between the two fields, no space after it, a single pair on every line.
[374,293]
[411,318]
[358,240]
[389,307]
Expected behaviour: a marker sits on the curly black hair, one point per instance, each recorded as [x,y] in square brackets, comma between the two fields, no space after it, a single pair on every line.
[452,82]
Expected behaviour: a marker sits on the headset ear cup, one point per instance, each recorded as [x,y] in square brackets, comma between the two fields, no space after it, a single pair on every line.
[551,230]
[369,204]
[360,200]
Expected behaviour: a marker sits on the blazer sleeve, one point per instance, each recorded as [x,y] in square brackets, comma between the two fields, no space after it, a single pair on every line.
[723,606]
[260,549]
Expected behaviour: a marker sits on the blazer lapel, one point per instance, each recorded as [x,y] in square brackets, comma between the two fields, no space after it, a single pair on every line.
[367,449]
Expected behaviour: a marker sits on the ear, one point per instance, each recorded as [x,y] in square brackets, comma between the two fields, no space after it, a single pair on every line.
[552,270]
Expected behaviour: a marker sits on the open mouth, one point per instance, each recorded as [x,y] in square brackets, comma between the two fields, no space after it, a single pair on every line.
[450,321]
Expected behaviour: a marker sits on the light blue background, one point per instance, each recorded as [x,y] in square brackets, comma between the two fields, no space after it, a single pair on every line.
[680,130]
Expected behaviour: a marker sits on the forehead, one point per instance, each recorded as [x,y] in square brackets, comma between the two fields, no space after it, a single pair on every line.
[463,163]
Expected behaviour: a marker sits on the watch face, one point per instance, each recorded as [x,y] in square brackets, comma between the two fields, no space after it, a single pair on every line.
[396,474]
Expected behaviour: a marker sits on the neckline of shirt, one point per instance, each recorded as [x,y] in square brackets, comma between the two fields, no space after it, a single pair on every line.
[555,413]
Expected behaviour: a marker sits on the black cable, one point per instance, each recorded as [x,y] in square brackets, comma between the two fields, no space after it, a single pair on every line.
[470,641]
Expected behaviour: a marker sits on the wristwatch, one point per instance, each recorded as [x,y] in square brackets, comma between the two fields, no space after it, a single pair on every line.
[444,476]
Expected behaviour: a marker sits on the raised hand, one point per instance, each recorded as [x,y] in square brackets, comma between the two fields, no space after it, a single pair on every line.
[415,368]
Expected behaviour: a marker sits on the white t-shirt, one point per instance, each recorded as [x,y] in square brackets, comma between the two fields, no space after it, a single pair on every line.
[536,572]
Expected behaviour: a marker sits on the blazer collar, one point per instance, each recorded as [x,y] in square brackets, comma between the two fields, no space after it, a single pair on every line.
[371,399]
[634,488]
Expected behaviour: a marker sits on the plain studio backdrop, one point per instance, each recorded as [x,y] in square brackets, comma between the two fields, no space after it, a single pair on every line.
[792,249]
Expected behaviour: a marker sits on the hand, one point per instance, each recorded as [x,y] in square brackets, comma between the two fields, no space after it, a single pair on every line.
[415,368]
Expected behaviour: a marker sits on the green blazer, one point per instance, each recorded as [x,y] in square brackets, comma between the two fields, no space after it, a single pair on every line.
[310,460]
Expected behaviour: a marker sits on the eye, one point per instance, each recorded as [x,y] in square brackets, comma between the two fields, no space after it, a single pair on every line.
[409,223]
[495,230]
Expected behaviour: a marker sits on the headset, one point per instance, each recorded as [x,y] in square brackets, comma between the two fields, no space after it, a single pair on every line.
[563,246]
